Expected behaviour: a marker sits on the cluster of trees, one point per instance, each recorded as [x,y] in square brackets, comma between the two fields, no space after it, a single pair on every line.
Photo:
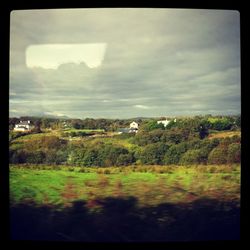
[47,149]
[52,150]
[182,142]
[88,123]
[214,151]
[146,124]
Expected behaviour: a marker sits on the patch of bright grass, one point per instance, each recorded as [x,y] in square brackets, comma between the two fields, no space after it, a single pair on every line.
[150,188]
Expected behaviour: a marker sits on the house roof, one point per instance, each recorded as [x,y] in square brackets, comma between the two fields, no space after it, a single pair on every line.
[24,123]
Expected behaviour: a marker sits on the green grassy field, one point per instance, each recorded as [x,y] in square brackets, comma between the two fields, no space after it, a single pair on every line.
[83,130]
[179,184]
[135,203]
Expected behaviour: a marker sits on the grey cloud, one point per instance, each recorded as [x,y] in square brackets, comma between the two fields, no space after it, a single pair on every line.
[172,61]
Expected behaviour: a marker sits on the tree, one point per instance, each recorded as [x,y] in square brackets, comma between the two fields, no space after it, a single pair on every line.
[35,157]
[175,135]
[152,125]
[153,153]
[192,156]
[217,123]
[125,159]
[203,131]
[174,153]
[37,126]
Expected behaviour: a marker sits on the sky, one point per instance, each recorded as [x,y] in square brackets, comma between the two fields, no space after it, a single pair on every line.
[124,63]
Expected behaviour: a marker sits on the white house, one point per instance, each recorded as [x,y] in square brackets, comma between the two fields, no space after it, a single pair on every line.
[134,125]
[133,128]
[23,126]
[164,122]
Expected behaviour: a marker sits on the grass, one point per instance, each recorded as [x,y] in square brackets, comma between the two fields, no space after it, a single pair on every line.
[83,130]
[181,184]
[115,141]
[32,137]
[134,203]
[223,134]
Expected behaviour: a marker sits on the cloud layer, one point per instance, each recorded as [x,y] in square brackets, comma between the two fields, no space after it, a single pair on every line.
[158,62]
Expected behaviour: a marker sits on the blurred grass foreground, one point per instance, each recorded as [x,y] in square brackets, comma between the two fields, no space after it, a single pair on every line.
[130,204]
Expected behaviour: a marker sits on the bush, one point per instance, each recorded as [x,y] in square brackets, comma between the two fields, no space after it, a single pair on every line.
[144,138]
[152,125]
[36,157]
[204,146]
[91,158]
[174,153]
[125,159]
[192,156]
[105,155]
[153,153]
[18,156]
[175,136]
[56,157]
[218,155]
[220,123]
[234,153]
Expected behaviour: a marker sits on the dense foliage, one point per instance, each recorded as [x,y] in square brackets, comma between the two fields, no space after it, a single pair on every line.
[184,142]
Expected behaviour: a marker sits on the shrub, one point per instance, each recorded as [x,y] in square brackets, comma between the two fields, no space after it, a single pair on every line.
[175,136]
[192,156]
[218,155]
[35,157]
[152,125]
[234,153]
[106,155]
[174,153]
[91,158]
[55,157]
[18,156]
[143,138]
[153,153]
[76,156]
[125,159]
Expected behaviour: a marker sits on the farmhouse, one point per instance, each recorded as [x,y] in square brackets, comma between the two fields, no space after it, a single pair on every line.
[134,125]
[133,128]
[23,126]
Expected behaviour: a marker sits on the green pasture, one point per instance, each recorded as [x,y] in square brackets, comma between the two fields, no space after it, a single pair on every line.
[179,184]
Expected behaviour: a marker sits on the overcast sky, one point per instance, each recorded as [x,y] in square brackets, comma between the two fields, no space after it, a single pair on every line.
[123,63]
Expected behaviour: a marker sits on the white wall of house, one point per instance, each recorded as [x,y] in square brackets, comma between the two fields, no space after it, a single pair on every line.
[164,122]
[20,129]
[23,126]
[134,125]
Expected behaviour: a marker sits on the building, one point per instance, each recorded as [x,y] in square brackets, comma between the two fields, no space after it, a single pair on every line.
[23,126]
[133,128]
[164,122]
[134,125]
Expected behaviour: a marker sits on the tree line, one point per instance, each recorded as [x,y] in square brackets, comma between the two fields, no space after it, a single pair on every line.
[182,142]
[147,124]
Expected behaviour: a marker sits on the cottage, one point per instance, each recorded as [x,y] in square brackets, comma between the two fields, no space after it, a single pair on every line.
[134,125]
[23,126]
[133,128]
